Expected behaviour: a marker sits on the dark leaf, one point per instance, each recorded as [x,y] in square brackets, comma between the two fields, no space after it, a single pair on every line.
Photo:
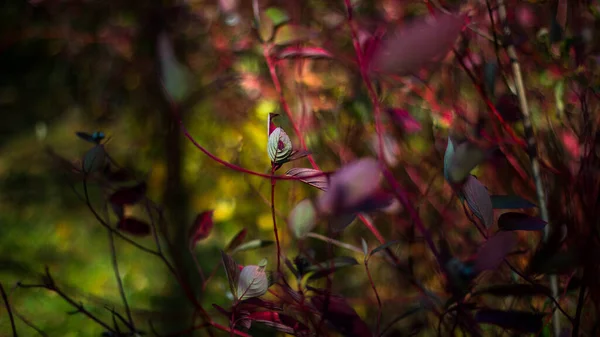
[133,226]
[311,177]
[232,270]
[513,221]
[237,240]
[90,138]
[479,200]
[508,108]
[383,246]
[524,322]
[339,222]
[129,195]
[119,210]
[494,250]
[118,176]
[253,244]
[304,52]
[518,290]
[327,267]
[510,202]
[490,69]
[94,160]
[341,315]
[201,228]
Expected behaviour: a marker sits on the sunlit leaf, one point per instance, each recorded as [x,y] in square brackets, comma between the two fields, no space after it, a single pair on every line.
[252,282]
[129,195]
[303,218]
[252,244]
[479,200]
[513,221]
[265,27]
[464,159]
[133,226]
[232,271]
[525,322]
[279,146]
[307,52]
[290,34]
[422,41]
[494,250]
[277,15]
[200,230]
[309,176]
[327,267]
[510,202]
[174,76]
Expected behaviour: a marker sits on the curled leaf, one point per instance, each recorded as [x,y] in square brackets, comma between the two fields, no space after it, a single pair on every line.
[311,177]
[303,218]
[304,52]
[479,200]
[203,224]
[412,46]
[279,146]
[252,282]
[133,226]
[128,195]
[494,250]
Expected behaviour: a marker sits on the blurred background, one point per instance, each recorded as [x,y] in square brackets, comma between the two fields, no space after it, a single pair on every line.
[85,65]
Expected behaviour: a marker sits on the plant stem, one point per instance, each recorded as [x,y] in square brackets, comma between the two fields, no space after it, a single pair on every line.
[531,147]
[113,254]
[10,315]
[275,222]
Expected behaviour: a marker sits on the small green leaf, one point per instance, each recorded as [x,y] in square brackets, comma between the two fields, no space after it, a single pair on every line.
[383,246]
[253,244]
[303,218]
[290,34]
[265,27]
[327,267]
[277,15]
[279,146]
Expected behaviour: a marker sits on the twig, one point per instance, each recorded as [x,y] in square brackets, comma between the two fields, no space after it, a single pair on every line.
[376,296]
[531,147]
[10,315]
[115,263]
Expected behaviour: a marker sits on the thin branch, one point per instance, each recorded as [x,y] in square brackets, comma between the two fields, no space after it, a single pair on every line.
[334,242]
[10,315]
[115,263]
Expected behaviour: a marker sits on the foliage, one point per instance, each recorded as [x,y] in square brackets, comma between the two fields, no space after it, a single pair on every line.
[412,134]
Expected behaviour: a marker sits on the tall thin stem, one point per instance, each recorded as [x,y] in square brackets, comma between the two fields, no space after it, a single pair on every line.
[10,315]
[531,146]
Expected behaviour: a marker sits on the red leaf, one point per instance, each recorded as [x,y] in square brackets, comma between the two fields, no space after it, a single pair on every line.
[494,250]
[133,226]
[420,42]
[129,195]
[309,52]
[201,228]
[237,240]
[270,125]
[404,119]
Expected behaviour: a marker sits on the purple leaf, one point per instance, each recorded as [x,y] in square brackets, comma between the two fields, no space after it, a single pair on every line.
[307,52]
[525,322]
[341,315]
[494,250]
[201,228]
[479,200]
[417,43]
[310,177]
[404,119]
[233,272]
[513,221]
[133,226]
[129,195]
[351,185]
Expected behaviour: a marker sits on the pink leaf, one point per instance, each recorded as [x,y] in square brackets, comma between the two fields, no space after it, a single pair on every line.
[418,43]
[309,52]
[201,228]
[494,250]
